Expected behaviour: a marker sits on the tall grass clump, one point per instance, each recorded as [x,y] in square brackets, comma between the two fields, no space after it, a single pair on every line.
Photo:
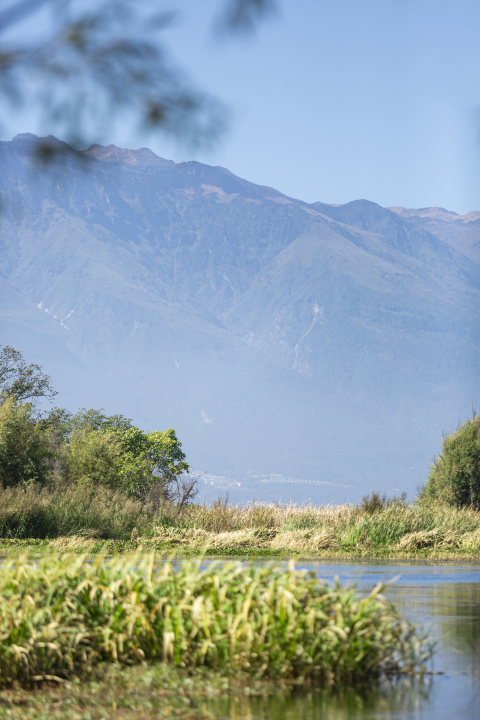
[222,517]
[55,510]
[388,526]
[62,616]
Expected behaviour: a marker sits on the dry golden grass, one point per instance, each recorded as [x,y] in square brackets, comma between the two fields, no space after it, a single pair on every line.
[309,528]
[220,517]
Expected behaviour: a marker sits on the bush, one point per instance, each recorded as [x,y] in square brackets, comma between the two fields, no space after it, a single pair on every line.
[375,502]
[25,449]
[455,475]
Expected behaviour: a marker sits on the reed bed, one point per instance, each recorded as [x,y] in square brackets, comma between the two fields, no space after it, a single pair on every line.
[405,526]
[62,616]
[73,517]
[58,510]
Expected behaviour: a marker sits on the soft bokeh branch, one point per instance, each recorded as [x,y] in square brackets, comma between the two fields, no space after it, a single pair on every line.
[90,62]
[245,15]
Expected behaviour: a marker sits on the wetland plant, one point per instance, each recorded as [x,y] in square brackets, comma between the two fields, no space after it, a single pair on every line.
[63,616]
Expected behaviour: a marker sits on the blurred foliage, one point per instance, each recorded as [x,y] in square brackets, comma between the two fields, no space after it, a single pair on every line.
[63,617]
[89,61]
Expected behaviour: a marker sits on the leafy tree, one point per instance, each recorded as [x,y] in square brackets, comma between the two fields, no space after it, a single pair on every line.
[160,448]
[21,381]
[93,457]
[150,459]
[87,447]
[25,451]
[455,474]
[109,450]
[63,424]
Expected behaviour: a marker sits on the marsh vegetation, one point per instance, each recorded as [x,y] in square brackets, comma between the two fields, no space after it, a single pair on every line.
[62,616]
[98,483]
[88,519]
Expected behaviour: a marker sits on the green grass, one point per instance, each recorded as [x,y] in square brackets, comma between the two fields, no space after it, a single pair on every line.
[63,616]
[56,510]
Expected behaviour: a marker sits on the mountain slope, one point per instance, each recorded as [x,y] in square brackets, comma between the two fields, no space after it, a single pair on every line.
[266,330]
[460,231]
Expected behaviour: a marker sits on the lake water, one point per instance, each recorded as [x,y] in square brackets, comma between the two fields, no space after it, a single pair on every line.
[445,600]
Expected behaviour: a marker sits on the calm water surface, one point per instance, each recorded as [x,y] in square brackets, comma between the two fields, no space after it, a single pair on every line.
[445,600]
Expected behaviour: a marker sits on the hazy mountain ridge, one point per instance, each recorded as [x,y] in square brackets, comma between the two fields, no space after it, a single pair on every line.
[460,231]
[261,327]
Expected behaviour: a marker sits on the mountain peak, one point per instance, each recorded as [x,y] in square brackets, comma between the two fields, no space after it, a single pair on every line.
[25,136]
[433,213]
[142,157]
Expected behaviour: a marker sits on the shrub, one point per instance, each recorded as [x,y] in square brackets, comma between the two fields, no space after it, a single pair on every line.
[25,449]
[455,474]
[376,502]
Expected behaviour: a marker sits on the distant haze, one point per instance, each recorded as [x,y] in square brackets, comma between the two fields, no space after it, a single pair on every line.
[301,351]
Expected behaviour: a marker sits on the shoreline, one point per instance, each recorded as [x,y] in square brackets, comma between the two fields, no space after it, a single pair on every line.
[95,547]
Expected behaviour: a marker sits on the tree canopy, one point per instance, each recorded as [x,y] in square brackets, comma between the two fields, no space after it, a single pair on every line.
[87,447]
[20,381]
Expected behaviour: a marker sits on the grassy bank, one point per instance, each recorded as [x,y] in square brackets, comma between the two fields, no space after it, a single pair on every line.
[146,692]
[163,691]
[62,617]
[82,519]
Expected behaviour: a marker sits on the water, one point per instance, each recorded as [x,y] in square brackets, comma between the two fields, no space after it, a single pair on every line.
[445,600]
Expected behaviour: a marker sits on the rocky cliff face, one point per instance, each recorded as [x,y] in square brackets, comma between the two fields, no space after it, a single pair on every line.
[327,343]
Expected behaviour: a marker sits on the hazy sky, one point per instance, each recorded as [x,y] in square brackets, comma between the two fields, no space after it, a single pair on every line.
[334,101]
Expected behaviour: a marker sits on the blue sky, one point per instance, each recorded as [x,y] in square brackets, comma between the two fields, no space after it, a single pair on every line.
[334,101]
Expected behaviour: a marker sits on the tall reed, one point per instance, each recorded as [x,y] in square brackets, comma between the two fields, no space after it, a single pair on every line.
[62,616]
[55,511]
[52,511]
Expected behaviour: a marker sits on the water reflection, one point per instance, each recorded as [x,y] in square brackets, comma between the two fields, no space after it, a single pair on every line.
[451,612]
[445,600]
[407,695]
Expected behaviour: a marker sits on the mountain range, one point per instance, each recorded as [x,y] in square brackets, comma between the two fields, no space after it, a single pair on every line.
[301,351]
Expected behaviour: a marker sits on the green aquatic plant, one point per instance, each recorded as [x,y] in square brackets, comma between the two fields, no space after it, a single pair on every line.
[62,616]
